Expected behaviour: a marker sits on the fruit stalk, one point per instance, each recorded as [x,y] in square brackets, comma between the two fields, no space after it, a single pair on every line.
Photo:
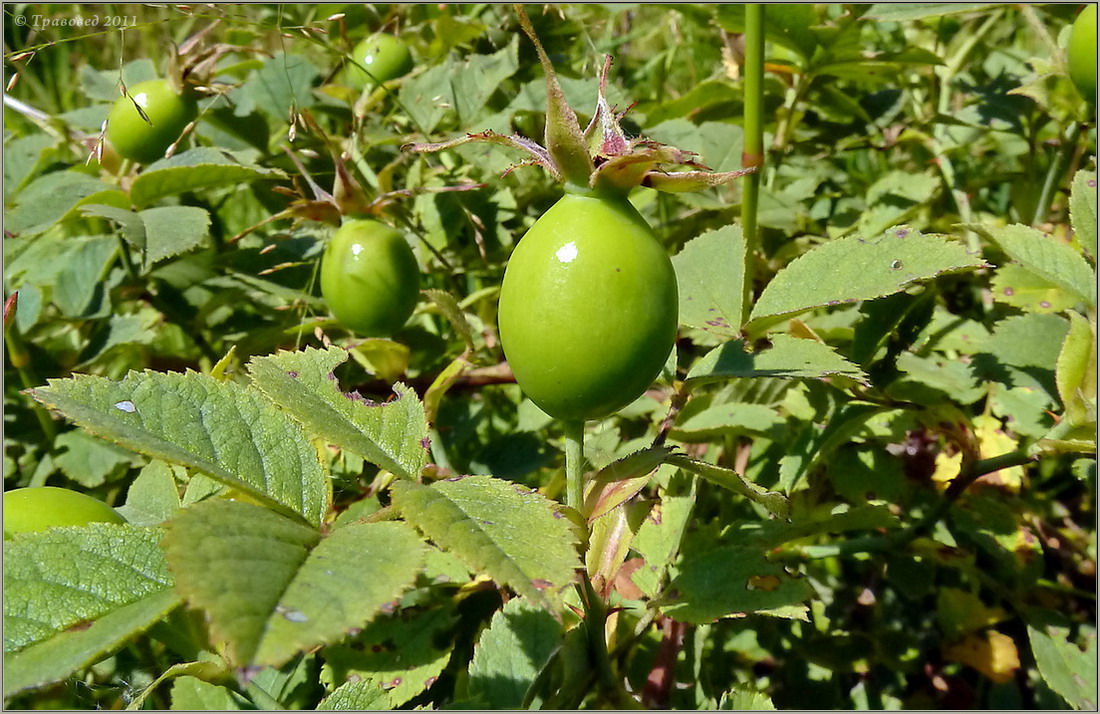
[574,470]
[752,155]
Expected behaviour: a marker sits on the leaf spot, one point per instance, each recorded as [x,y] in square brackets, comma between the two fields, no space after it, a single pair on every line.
[291,614]
[896,265]
[396,682]
[767,583]
[540,584]
[292,374]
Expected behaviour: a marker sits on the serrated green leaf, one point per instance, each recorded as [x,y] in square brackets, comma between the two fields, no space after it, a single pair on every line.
[361,696]
[903,11]
[743,699]
[87,460]
[1045,256]
[787,357]
[851,269]
[56,658]
[204,670]
[1082,210]
[399,655]
[103,84]
[727,581]
[450,309]
[221,428]
[193,694]
[776,503]
[1076,371]
[173,230]
[475,79]
[422,96]
[153,497]
[23,158]
[1067,668]
[1014,285]
[510,654]
[621,480]
[392,435]
[1023,351]
[282,84]
[709,271]
[658,538]
[347,579]
[728,418]
[200,168]
[489,523]
[84,263]
[135,329]
[271,587]
[51,198]
[61,577]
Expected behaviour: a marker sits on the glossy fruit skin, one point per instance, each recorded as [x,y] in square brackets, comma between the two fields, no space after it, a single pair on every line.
[1081,53]
[169,112]
[370,278]
[36,509]
[588,308]
[385,57]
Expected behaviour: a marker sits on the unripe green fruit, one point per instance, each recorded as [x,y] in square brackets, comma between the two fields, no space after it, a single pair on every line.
[168,113]
[588,308]
[370,278]
[1081,53]
[384,57]
[36,509]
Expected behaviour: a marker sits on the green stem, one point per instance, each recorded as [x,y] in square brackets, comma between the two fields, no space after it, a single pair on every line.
[753,152]
[19,358]
[900,538]
[574,464]
[595,619]
[1056,171]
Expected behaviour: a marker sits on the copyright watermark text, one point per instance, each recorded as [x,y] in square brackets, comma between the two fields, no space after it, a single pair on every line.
[42,22]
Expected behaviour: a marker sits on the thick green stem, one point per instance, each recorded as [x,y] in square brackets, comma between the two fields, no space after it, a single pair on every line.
[574,464]
[1056,171]
[753,152]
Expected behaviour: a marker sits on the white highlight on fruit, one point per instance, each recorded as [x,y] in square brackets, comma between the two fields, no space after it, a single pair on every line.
[567,252]
[141,99]
[356,248]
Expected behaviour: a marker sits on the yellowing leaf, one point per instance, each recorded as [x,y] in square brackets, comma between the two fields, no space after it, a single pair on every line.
[947,468]
[994,441]
[991,653]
